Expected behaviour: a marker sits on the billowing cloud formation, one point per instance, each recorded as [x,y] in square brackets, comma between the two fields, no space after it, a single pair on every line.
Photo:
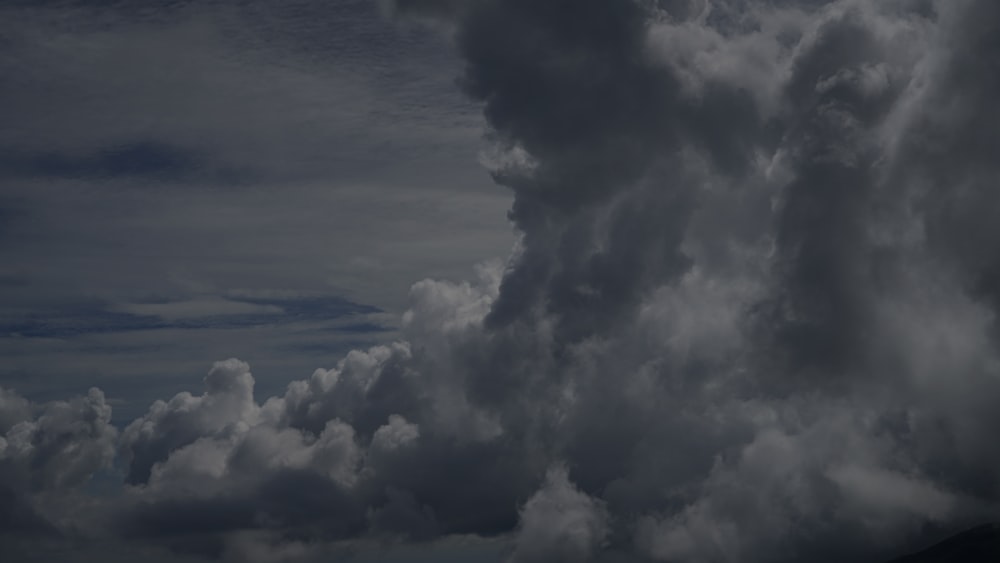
[751,315]
[559,523]
[61,446]
[46,450]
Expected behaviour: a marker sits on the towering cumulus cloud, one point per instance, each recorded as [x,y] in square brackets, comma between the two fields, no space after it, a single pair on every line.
[751,315]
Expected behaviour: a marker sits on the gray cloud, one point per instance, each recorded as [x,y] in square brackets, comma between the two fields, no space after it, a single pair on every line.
[60,447]
[46,451]
[559,523]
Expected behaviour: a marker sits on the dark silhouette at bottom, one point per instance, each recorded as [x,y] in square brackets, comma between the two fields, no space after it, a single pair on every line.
[978,545]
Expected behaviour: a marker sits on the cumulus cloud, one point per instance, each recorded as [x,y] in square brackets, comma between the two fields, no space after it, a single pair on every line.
[560,523]
[751,315]
[46,451]
[61,446]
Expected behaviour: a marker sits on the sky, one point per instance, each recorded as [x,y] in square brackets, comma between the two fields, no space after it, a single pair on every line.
[185,182]
[610,281]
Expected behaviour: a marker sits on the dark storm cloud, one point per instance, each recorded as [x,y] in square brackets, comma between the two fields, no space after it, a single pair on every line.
[61,446]
[949,151]
[750,317]
[945,167]
[594,114]
[48,449]
[839,89]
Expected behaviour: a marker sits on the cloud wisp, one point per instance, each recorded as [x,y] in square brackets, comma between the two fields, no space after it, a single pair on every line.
[751,316]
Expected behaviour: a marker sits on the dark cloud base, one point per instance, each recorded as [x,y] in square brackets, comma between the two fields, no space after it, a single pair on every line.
[751,317]
[981,543]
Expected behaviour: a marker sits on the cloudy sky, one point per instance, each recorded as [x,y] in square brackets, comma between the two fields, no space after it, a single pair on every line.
[183,182]
[620,281]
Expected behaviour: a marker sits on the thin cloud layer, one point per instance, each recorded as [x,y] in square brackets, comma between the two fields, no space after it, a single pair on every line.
[751,315]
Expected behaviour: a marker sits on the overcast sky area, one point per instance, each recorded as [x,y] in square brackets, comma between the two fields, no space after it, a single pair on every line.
[518,281]
[189,181]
